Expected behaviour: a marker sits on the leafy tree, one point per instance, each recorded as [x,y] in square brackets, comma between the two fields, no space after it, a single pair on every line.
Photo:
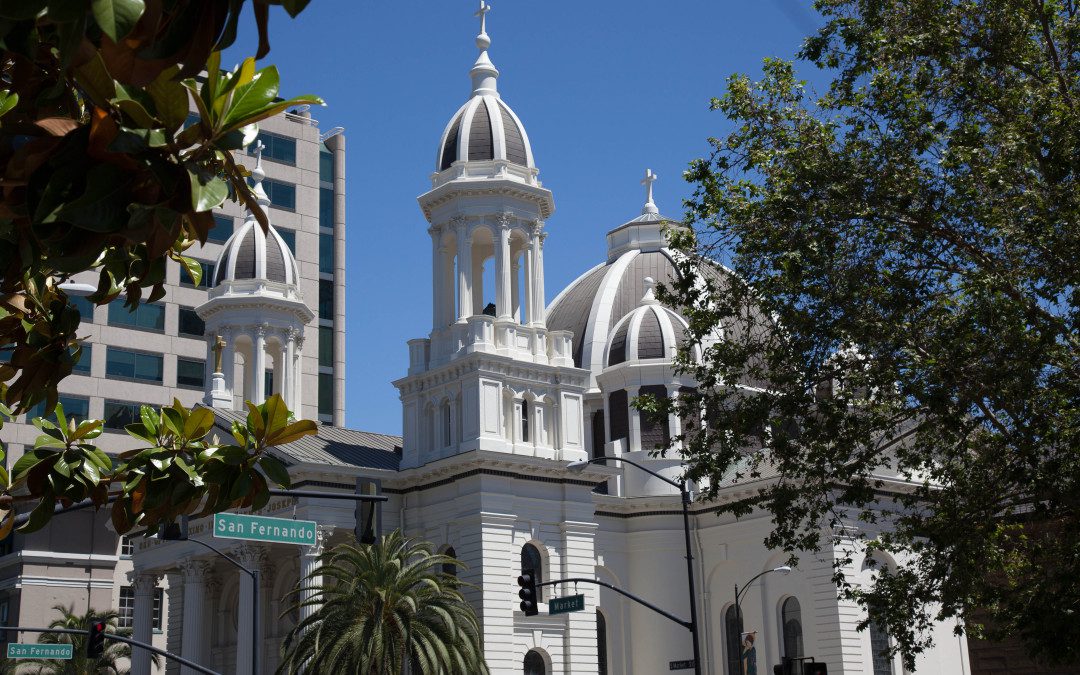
[103,171]
[79,664]
[383,605]
[905,288]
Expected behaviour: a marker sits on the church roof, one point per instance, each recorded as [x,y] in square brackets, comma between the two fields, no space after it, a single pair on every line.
[333,446]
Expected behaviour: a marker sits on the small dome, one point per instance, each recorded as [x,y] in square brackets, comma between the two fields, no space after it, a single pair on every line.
[484,129]
[252,254]
[651,331]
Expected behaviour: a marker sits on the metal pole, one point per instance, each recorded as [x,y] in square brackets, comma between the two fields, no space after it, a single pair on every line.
[255,622]
[738,624]
[690,580]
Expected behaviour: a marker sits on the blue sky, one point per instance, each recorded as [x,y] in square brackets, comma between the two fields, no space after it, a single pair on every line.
[605,88]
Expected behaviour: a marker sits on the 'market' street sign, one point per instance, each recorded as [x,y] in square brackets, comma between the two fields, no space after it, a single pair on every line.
[571,603]
[681,665]
[261,528]
[20,650]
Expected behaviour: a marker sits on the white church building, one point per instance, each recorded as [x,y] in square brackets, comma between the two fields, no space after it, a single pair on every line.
[498,400]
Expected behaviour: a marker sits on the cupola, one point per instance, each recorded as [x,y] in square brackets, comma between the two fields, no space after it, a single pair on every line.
[651,332]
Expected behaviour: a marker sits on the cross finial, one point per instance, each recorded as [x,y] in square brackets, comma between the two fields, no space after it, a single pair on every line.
[482,13]
[219,345]
[648,181]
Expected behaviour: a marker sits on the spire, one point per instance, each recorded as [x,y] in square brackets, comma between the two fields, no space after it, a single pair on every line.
[650,294]
[648,181]
[257,175]
[483,72]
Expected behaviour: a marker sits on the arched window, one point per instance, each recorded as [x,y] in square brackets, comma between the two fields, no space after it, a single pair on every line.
[525,422]
[531,560]
[732,641]
[879,647]
[450,568]
[534,663]
[447,436]
[601,642]
[791,620]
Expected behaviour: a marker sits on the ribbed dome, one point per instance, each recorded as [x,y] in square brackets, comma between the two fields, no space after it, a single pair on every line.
[484,129]
[651,331]
[251,254]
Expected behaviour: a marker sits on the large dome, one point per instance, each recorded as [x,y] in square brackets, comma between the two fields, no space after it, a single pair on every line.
[484,129]
[251,253]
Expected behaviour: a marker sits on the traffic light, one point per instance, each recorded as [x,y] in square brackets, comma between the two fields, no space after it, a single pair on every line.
[95,642]
[177,531]
[527,581]
[814,668]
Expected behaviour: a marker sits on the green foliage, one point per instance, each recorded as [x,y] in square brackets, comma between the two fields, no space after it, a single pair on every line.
[177,471]
[381,606]
[100,172]
[905,290]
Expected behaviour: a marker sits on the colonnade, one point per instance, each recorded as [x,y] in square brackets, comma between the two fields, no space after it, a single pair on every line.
[256,343]
[200,580]
[459,250]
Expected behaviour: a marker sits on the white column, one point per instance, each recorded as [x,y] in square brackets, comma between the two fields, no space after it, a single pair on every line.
[289,367]
[674,423]
[634,441]
[309,564]
[515,292]
[228,364]
[143,584]
[464,273]
[453,432]
[436,276]
[298,381]
[537,245]
[502,269]
[258,366]
[251,557]
[192,648]
[530,289]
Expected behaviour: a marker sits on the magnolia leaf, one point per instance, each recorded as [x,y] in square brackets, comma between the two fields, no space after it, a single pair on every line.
[207,191]
[198,424]
[194,269]
[117,17]
[275,470]
[41,515]
[7,524]
[293,432]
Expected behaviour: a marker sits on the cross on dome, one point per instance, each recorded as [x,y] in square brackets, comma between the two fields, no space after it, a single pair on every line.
[484,72]
[650,178]
[482,13]
[257,176]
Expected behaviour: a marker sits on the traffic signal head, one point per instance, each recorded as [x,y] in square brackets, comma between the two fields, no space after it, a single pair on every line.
[527,581]
[177,531]
[815,668]
[95,641]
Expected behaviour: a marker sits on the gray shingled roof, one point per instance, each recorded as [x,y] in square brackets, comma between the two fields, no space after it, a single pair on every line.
[333,446]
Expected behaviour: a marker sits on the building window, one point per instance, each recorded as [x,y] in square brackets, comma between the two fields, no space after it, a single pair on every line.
[147,316]
[268,382]
[126,609]
[598,433]
[75,407]
[129,365]
[326,346]
[326,207]
[791,620]
[289,237]
[119,414]
[732,641]
[532,562]
[879,646]
[127,546]
[222,229]
[281,194]
[207,280]
[620,414]
[524,421]
[601,643]
[534,663]
[654,434]
[449,568]
[83,364]
[326,394]
[85,307]
[326,299]
[326,165]
[190,373]
[326,253]
[278,148]
[189,323]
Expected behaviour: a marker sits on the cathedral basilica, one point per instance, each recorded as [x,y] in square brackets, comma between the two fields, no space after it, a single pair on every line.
[503,403]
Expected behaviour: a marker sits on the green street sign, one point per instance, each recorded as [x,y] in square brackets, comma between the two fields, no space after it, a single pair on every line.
[261,528]
[20,650]
[571,603]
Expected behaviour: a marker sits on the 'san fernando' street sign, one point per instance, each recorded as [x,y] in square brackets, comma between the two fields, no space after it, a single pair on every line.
[261,528]
[571,603]
[681,665]
[25,650]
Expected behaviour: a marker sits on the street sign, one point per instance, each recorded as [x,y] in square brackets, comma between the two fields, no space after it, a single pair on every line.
[261,528]
[22,650]
[571,603]
[681,665]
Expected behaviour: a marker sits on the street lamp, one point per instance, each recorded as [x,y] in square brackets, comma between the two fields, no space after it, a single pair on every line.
[681,487]
[783,569]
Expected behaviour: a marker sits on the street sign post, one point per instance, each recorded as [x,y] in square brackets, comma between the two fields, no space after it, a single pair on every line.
[571,603]
[29,650]
[261,528]
[681,665]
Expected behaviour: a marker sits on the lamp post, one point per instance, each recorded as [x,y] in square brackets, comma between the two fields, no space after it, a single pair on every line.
[783,569]
[681,487]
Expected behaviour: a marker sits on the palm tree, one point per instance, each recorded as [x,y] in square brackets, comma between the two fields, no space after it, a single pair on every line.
[106,664]
[381,606]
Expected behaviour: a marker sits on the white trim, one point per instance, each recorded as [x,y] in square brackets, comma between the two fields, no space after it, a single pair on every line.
[53,557]
[55,582]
